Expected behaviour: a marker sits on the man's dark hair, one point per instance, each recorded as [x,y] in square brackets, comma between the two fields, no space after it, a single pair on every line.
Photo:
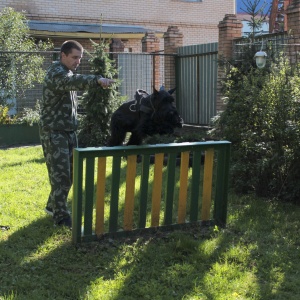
[67,47]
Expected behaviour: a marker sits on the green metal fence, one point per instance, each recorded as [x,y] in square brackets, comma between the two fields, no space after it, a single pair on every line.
[196,82]
[173,185]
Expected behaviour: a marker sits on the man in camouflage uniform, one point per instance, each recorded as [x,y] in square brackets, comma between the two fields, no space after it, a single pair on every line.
[58,123]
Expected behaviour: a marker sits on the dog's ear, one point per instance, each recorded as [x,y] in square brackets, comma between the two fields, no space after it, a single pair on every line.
[155,91]
[172,91]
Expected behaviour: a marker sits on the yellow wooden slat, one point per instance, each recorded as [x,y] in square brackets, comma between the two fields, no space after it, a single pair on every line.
[207,184]
[130,188]
[100,195]
[157,187]
[184,167]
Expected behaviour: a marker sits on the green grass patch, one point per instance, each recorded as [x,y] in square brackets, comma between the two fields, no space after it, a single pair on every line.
[257,256]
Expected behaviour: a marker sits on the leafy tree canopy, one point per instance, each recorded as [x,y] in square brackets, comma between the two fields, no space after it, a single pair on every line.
[20,62]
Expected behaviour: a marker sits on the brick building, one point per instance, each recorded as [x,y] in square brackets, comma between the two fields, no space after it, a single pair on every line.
[127,20]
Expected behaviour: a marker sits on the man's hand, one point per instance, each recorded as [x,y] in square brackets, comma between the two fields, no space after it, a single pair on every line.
[105,82]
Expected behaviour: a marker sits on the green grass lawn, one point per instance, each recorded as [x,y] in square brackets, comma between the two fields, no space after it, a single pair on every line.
[257,256]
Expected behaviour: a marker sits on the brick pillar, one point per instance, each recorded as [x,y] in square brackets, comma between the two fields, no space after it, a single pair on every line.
[173,39]
[150,44]
[116,46]
[293,27]
[229,29]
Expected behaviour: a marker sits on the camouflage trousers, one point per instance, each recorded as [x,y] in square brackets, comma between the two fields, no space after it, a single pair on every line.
[58,152]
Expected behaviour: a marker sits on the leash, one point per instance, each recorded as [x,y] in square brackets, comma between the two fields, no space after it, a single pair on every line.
[133,105]
[153,108]
[152,104]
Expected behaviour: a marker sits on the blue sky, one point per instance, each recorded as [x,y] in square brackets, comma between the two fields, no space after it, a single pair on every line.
[240,4]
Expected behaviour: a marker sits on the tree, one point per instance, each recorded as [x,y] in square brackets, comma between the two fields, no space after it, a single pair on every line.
[256,9]
[20,62]
[98,103]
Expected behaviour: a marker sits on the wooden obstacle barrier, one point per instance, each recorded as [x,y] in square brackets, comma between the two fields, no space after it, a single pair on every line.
[166,195]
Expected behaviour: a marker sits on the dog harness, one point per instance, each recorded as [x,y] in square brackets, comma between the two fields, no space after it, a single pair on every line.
[140,105]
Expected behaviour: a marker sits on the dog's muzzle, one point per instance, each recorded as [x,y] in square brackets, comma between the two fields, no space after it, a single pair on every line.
[180,123]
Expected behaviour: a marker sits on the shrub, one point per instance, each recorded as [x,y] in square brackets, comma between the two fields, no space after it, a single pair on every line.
[28,116]
[262,120]
[98,103]
[4,117]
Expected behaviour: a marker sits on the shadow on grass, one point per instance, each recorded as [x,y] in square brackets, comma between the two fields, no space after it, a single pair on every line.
[268,231]
[258,228]
[21,163]
[39,262]
[256,256]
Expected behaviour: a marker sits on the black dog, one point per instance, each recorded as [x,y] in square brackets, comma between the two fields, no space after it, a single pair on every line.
[146,115]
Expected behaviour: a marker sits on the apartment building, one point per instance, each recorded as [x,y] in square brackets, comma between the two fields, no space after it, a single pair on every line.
[127,20]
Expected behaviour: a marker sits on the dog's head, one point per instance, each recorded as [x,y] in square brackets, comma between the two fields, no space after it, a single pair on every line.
[166,115]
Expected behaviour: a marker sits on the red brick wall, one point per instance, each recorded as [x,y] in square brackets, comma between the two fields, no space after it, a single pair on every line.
[229,29]
[293,25]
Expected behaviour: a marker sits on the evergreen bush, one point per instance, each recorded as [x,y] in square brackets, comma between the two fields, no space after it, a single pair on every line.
[98,103]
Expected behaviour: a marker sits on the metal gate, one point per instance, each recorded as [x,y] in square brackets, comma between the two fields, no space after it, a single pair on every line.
[196,81]
[141,71]
[135,72]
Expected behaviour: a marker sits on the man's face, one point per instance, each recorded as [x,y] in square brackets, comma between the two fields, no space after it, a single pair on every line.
[72,60]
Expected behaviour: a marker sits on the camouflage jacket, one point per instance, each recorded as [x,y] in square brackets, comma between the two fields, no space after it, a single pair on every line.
[59,103]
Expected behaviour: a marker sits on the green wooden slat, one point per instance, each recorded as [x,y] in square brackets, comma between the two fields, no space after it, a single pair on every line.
[170,188]
[144,191]
[195,186]
[114,199]
[220,205]
[89,196]
[77,197]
